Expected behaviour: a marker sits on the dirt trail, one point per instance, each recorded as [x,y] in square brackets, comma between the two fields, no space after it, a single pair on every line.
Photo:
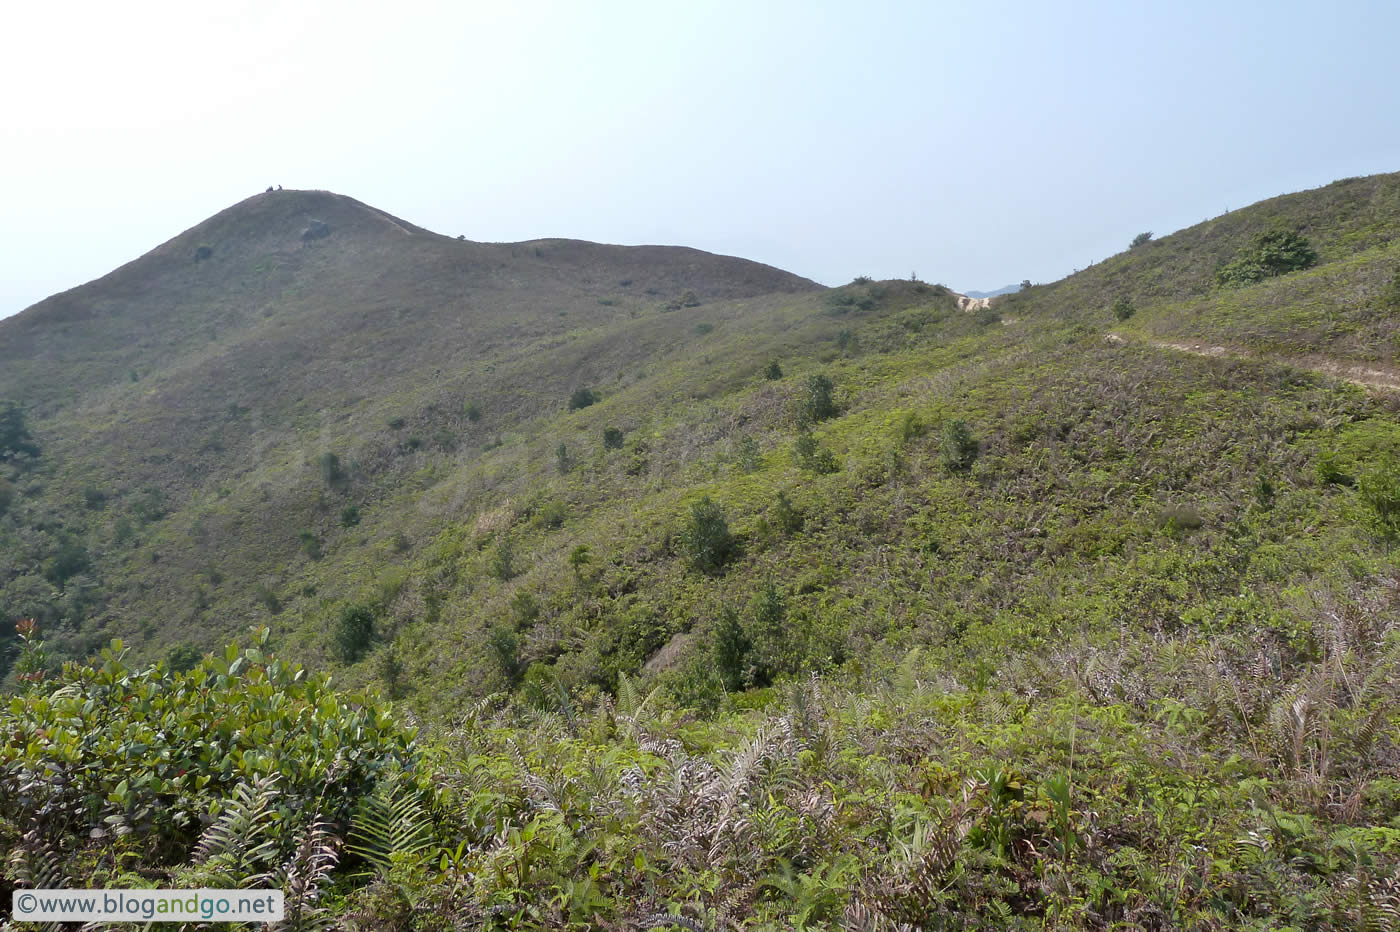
[1368,375]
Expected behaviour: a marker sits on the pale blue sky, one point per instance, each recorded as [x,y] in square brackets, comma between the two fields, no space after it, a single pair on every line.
[975,143]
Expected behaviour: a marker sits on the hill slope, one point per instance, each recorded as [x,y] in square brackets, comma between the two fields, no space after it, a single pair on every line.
[819,608]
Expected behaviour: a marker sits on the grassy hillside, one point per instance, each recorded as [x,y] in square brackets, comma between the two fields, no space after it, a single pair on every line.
[768,606]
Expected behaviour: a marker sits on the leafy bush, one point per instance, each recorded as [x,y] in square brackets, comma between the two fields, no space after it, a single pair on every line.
[354,631]
[500,562]
[473,411]
[706,539]
[612,438]
[16,443]
[812,456]
[986,316]
[1142,239]
[142,757]
[1123,308]
[1277,252]
[7,495]
[310,544]
[563,460]
[203,252]
[957,447]
[772,372]
[731,649]
[350,516]
[786,515]
[331,470]
[1380,493]
[704,328]
[816,402]
[582,398]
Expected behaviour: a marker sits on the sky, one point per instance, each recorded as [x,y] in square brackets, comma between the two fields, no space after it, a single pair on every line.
[973,144]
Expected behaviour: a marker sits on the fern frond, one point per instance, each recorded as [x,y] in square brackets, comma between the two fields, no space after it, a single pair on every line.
[303,877]
[240,839]
[390,823]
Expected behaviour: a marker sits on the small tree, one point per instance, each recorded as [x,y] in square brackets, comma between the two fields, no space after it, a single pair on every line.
[1142,239]
[772,372]
[957,447]
[582,398]
[331,470]
[1380,492]
[731,648]
[1025,284]
[563,461]
[786,515]
[16,444]
[1123,308]
[1277,252]
[473,411]
[612,439]
[706,538]
[816,403]
[354,631]
[812,456]
[579,558]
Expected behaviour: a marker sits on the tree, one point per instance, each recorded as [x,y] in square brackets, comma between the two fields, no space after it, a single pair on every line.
[1142,239]
[1123,308]
[16,444]
[582,398]
[772,372]
[1025,284]
[958,448]
[706,538]
[353,632]
[612,438]
[816,403]
[1270,254]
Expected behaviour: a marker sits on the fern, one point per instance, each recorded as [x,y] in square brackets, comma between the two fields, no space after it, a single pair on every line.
[240,840]
[303,877]
[389,824]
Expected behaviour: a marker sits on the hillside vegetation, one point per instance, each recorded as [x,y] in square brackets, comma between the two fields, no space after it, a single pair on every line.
[721,600]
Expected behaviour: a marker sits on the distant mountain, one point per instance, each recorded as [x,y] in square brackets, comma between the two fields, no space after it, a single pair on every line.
[1004,289]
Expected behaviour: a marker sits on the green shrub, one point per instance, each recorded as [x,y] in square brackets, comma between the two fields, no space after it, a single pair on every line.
[786,516]
[265,594]
[500,563]
[145,757]
[16,443]
[7,495]
[354,631]
[395,423]
[503,647]
[1175,518]
[350,516]
[331,470]
[563,461]
[1142,239]
[582,398]
[731,649]
[772,372]
[706,538]
[747,455]
[957,448]
[1123,308]
[1277,252]
[183,658]
[1390,295]
[524,608]
[68,560]
[473,411]
[812,456]
[551,514]
[310,544]
[94,498]
[1380,493]
[612,438]
[816,402]
[986,316]
[704,328]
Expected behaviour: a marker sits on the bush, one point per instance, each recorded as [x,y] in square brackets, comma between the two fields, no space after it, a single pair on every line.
[704,328]
[1123,308]
[612,439]
[731,648]
[957,448]
[310,544]
[812,456]
[786,515]
[7,495]
[986,316]
[473,411]
[772,372]
[183,658]
[203,252]
[706,538]
[354,631]
[503,647]
[1277,252]
[1142,239]
[1380,492]
[331,470]
[16,444]
[501,561]
[562,460]
[582,398]
[350,516]
[816,403]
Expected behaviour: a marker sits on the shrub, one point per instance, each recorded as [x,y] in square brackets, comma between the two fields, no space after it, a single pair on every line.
[524,608]
[94,498]
[310,544]
[501,561]
[396,423]
[503,647]
[812,456]
[68,560]
[582,398]
[203,252]
[331,470]
[1277,252]
[473,411]
[350,516]
[1025,284]
[1380,492]
[704,329]
[747,454]
[772,372]
[354,630]
[265,594]
[1390,296]
[957,447]
[612,439]
[1123,308]
[183,658]
[706,538]
[1142,239]
[986,316]
[7,495]
[816,403]
[731,647]
[551,514]
[786,515]
[1174,518]
[562,460]
[16,443]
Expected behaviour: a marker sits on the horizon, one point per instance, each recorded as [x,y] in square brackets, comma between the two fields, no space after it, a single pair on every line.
[829,146]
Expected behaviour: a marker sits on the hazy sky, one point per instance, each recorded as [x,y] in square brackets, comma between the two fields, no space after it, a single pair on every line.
[974,143]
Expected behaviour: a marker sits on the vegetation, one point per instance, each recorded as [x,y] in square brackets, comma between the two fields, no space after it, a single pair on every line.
[16,443]
[1277,252]
[1034,629]
[1142,239]
[1123,308]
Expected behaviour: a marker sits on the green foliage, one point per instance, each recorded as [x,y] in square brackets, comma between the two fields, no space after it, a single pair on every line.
[503,647]
[772,372]
[612,438]
[472,410]
[350,516]
[731,648]
[524,608]
[354,631]
[563,460]
[7,495]
[582,398]
[812,456]
[1379,491]
[69,558]
[1276,252]
[957,447]
[1142,239]
[1123,308]
[183,658]
[579,558]
[332,472]
[706,540]
[816,402]
[500,561]
[94,499]
[310,544]
[786,516]
[16,443]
